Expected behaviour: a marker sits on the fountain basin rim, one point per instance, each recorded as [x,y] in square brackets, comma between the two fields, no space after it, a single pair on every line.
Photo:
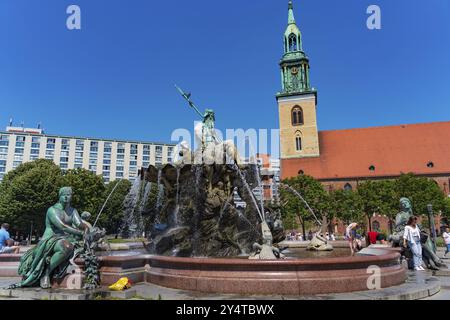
[385,255]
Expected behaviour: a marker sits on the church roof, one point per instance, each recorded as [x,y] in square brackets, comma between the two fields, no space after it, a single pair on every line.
[377,152]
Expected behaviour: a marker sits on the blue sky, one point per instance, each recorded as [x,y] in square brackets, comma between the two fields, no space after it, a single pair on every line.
[114,78]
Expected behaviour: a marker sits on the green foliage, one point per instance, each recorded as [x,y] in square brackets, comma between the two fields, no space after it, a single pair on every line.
[421,191]
[347,205]
[112,215]
[379,197]
[314,194]
[27,192]
[372,196]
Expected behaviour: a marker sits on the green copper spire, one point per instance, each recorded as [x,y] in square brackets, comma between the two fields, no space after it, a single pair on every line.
[294,64]
[291,18]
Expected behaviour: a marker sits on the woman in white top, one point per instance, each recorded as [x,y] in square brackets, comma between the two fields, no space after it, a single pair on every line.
[446,236]
[411,237]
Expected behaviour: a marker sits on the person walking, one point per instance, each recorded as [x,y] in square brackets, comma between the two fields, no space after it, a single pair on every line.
[6,243]
[411,238]
[446,236]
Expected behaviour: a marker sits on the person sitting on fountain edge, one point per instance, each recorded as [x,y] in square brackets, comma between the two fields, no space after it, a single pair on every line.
[6,243]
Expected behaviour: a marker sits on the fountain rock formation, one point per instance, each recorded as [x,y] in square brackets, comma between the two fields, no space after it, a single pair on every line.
[195,214]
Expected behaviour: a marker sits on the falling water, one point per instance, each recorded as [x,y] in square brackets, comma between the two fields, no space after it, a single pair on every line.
[261,188]
[177,198]
[302,199]
[160,192]
[129,222]
[148,187]
[249,190]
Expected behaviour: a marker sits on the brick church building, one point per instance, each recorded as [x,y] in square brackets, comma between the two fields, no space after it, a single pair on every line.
[341,159]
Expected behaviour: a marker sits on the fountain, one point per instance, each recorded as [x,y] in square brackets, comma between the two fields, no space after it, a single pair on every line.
[198,240]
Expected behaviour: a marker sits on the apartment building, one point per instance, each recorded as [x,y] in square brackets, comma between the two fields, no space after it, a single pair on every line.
[112,159]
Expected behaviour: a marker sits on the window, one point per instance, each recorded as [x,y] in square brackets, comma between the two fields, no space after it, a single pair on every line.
[4,143]
[79,161]
[348,187]
[106,168]
[120,157]
[108,145]
[107,150]
[34,151]
[79,145]
[145,164]
[79,154]
[20,144]
[133,163]
[63,165]
[34,157]
[36,139]
[298,143]
[18,158]
[106,161]
[20,139]
[119,174]
[51,140]
[93,168]
[133,151]
[146,147]
[372,168]
[119,168]
[92,161]
[63,159]
[292,42]
[107,155]
[145,158]
[18,150]
[16,164]
[35,145]
[93,155]
[297,116]
[78,166]
[64,153]
[49,152]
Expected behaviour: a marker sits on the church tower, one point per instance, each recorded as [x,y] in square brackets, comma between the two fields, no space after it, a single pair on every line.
[297,101]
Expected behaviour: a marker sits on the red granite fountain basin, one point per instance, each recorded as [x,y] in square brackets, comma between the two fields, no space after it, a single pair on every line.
[242,276]
[288,277]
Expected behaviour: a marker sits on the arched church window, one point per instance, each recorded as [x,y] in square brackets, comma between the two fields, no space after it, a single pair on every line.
[297,116]
[298,142]
[348,187]
[292,42]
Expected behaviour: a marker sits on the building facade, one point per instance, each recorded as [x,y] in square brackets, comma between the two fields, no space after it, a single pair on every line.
[112,159]
[344,158]
[341,159]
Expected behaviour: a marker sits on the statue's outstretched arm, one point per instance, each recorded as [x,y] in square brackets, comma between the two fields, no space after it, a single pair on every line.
[55,220]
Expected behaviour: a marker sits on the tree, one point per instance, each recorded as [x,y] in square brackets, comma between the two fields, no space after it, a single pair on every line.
[27,192]
[112,215]
[314,194]
[347,206]
[421,191]
[378,197]
[88,190]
